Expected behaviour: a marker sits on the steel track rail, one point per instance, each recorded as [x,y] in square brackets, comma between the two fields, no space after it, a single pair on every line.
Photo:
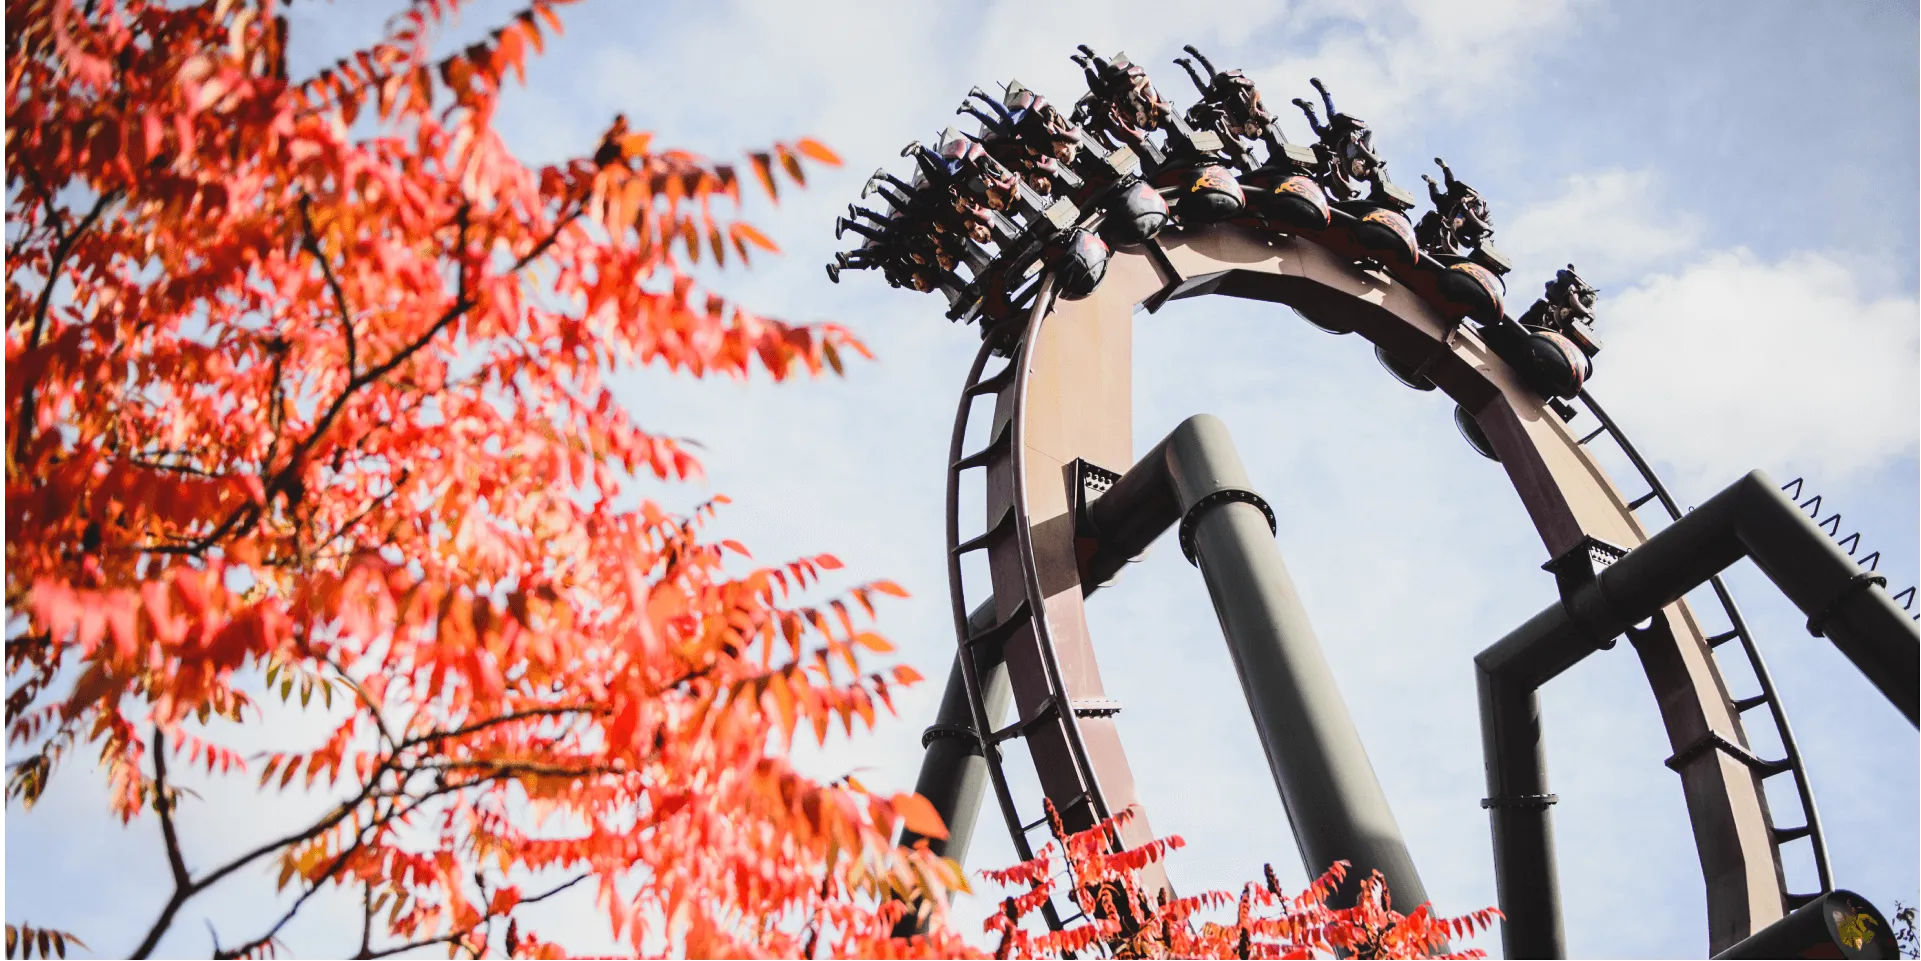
[1738,629]
[1009,387]
[970,672]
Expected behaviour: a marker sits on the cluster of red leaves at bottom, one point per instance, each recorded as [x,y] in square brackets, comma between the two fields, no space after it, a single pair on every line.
[1124,922]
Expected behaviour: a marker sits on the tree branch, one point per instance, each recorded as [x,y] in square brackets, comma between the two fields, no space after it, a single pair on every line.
[163,803]
[333,867]
[312,244]
[357,518]
[478,726]
[179,469]
[61,251]
[183,887]
[366,918]
[457,935]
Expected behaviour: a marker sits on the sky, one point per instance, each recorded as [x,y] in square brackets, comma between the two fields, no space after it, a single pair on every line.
[1739,180]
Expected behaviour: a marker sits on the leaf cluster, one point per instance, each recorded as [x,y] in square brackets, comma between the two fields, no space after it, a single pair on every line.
[1102,879]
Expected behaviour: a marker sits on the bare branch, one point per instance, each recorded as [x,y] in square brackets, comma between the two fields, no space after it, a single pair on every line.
[163,803]
[366,918]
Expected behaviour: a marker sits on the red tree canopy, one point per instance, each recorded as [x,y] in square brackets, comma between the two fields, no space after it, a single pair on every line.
[307,395]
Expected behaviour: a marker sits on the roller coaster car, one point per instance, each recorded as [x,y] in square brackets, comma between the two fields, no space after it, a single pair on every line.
[1345,157]
[1135,214]
[1121,104]
[1550,363]
[1295,201]
[1471,286]
[1460,220]
[1567,307]
[1230,104]
[1209,194]
[1080,261]
[1030,136]
[1383,230]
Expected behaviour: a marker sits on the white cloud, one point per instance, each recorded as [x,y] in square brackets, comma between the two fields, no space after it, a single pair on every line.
[1395,62]
[1722,361]
[1607,223]
[1735,362]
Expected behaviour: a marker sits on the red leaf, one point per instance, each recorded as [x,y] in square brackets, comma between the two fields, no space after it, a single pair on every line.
[815,150]
[763,165]
[919,815]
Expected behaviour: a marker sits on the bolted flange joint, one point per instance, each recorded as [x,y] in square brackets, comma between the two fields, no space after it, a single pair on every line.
[1536,801]
[938,731]
[1817,625]
[1225,495]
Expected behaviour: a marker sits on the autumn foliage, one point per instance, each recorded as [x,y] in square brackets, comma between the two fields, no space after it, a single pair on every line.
[1119,920]
[308,414]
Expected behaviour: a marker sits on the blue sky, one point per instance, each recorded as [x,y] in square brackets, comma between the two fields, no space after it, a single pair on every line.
[1740,180]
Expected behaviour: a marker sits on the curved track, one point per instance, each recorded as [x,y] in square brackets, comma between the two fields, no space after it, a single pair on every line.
[1065,396]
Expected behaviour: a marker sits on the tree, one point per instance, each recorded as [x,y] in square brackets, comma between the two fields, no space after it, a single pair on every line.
[307,396]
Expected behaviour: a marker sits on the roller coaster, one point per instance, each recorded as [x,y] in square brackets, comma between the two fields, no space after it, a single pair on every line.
[1049,229]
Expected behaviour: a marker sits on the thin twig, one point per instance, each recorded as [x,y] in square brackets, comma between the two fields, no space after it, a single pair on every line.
[456,935]
[478,726]
[61,251]
[340,860]
[163,803]
[312,243]
[348,525]
[179,469]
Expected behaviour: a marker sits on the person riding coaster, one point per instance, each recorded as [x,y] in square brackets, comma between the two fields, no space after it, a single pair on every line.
[1347,149]
[1567,307]
[1460,220]
[1121,105]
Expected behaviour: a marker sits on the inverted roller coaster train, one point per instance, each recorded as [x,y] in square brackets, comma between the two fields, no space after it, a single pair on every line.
[1049,229]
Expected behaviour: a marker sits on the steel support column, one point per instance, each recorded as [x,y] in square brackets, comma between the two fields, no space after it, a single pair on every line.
[1750,518]
[953,774]
[1334,802]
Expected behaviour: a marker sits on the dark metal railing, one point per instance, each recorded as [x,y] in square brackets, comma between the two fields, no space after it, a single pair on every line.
[1738,630]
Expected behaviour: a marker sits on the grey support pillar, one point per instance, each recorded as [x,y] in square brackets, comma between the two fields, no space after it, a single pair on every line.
[953,775]
[1333,799]
[1751,518]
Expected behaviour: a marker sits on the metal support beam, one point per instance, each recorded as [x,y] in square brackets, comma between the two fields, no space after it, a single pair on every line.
[953,774]
[1750,518]
[1334,802]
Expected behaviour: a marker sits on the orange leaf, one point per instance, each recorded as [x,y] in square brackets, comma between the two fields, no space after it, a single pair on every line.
[763,165]
[815,150]
[873,642]
[746,231]
[919,815]
[791,163]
